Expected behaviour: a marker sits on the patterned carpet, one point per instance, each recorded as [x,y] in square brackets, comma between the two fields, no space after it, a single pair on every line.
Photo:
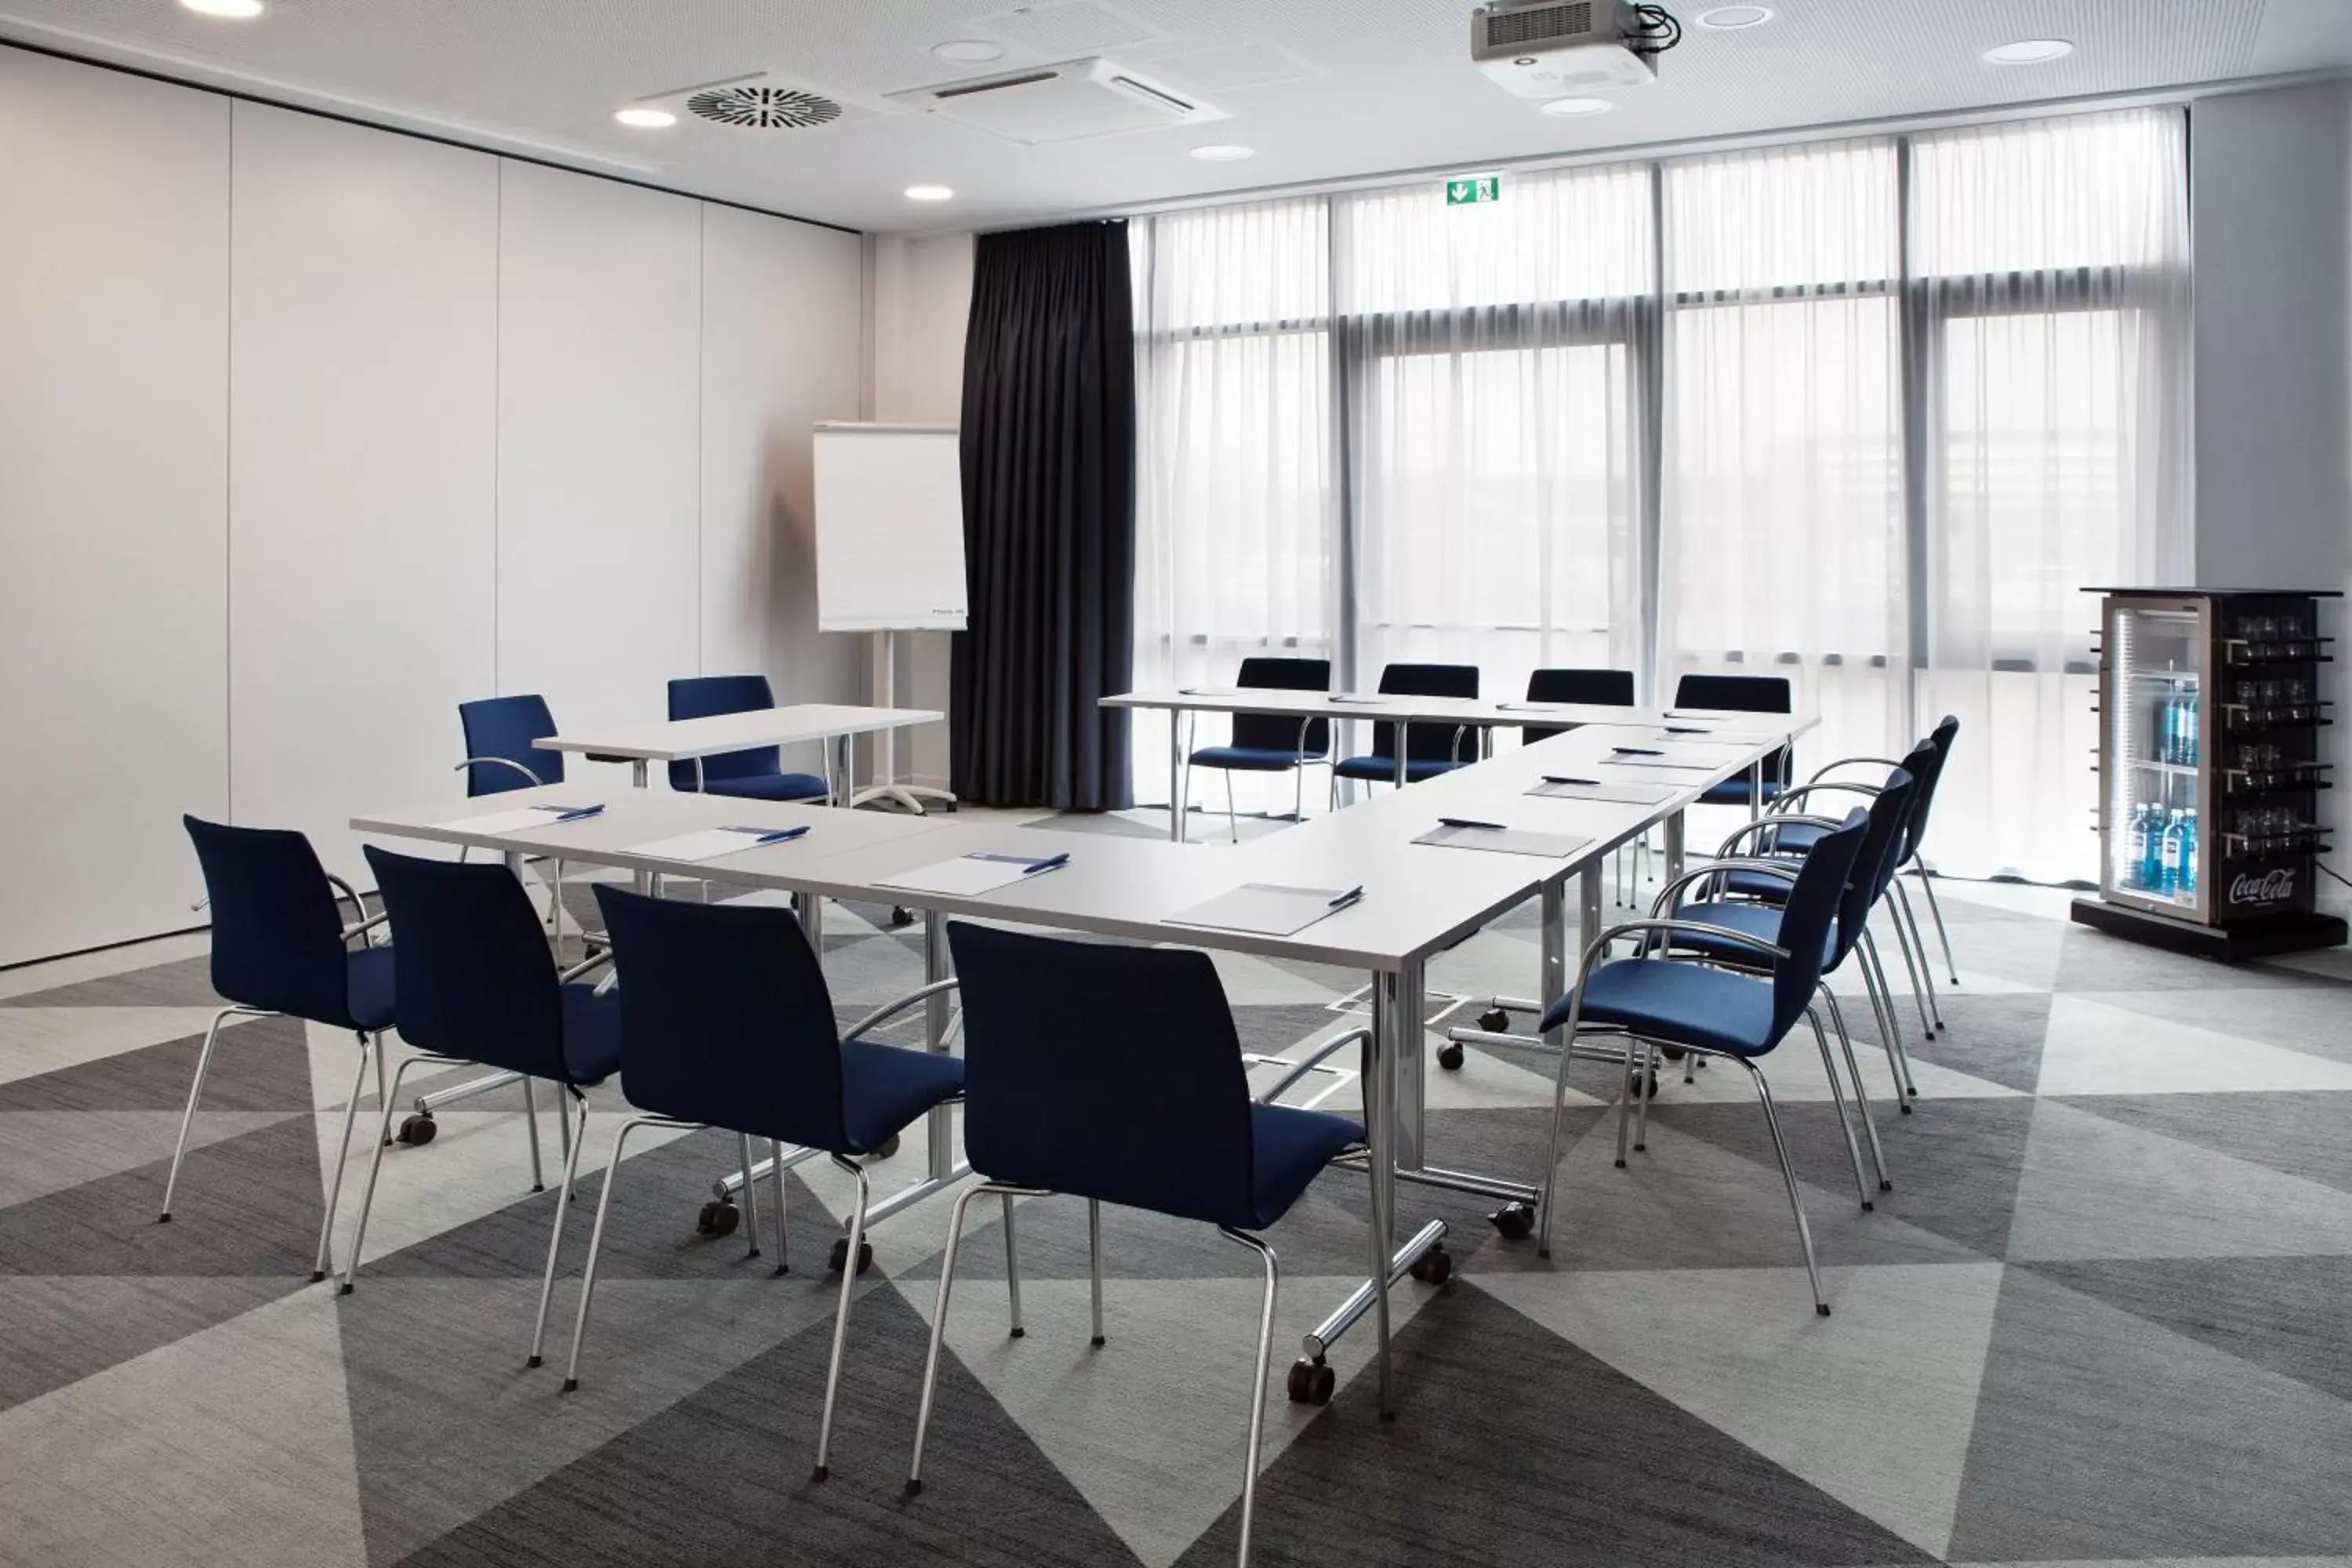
[2105,1316]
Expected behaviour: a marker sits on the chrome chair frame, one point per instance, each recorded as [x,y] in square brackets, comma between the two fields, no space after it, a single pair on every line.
[1923,986]
[1190,722]
[1920,867]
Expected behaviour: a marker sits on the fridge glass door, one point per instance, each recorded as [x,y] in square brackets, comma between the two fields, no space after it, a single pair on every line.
[2156,724]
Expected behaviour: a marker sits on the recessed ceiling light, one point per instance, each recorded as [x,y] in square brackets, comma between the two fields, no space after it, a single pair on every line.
[645,119]
[1223,153]
[2029,52]
[969,51]
[1578,108]
[1728,18]
[929,193]
[238,9]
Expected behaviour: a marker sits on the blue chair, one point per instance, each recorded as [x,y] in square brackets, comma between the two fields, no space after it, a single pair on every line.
[1429,749]
[478,987]
[281,949]
[500,756]
[755,775]
[1588,688]
[1270,742]
[726,1022]
[1657,1000]
[1050,1108]
[1742,694]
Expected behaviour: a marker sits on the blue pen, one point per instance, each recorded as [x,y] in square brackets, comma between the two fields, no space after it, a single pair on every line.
[1686,729]
[1466,822]
[769,835]
[573,812]
[1637,752]
[1561,778]
[1048,864]
[1344,899]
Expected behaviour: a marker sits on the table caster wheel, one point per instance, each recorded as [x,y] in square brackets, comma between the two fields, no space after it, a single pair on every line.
[1434,1266]
[901,917]
[418,1128]
[884,1149]
[1495,1020]
[1513,1221]
[720,1218]
[1311,1382]
[1643,1085]
[841,1251]
[1449,1055]
[1672,1053]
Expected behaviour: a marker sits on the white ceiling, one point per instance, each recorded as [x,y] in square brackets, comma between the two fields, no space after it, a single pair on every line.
[1390,85]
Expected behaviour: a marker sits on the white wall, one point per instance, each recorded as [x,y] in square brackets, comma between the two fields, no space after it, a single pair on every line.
[448,425]
[114,243]
[922,296]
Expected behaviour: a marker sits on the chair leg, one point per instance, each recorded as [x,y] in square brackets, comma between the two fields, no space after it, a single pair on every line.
[1013,1268]
[1919,944]
[555,1232]
[1926,873]
[1789,1176]
[188,1117]
[595,1249]
[938,1329]
[1882,1008]
[1558,1112]
[530,1120]
[1299,802]
[841,1314]
[1845,1122]
[1861,1096]
[1233,822]
[1257,1388]
[369,1045]
[751,1196]
[376,1167]
[1918,990]
[555,912]
[1625,1094]
[776,1178]
[1094,1261]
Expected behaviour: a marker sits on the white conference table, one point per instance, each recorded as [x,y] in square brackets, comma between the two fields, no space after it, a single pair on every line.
[1482,716]
[1418,901]
[688,740]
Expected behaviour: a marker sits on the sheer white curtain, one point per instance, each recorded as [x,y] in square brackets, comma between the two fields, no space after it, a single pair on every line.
[2050,267]
[1494,422]
[1235,520]
[1782,525]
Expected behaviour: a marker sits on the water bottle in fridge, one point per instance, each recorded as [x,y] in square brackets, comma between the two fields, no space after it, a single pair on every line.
[2136,866]
[2186,885]
[2151,866]
[2189,739]
[2169,867]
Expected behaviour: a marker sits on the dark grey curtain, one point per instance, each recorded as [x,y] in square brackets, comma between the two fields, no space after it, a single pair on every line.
[1048,520]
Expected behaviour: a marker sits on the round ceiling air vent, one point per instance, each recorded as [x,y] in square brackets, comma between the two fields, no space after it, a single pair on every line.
[764,107]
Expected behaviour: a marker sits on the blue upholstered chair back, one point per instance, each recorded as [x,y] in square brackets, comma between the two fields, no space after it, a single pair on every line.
[1599,687]
[1110,1071]
[1813,903]
[476,979]
[1941,738]
[1742,694]
[1427,742]
[1272,732]
[725,1018]
[506,726]
[1881,850]
[700,697]
[278,942]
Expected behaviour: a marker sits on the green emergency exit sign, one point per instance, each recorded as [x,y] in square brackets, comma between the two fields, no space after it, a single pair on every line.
[1472,189]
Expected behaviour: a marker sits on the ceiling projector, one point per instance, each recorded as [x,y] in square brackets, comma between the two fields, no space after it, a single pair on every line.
[1550,49]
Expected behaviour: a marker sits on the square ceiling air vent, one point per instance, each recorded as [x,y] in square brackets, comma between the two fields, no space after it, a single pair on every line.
[1068,27]
[1070,101]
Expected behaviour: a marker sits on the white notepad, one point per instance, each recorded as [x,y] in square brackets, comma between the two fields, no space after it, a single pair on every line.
[967,876]
[1506,841]
[1268,908]
[1683,735]
[712,842]
[514,821]
[1675,761]
[1621,793]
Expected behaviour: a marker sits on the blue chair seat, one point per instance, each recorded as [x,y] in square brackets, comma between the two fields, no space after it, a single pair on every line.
[591,1032]
[1382,770]
[1759,920]
[768,786]
[1735,791]
[1251,759]
[1794,839]
[369,987]
[1291,1148]
[1680,1004]
[885,1088]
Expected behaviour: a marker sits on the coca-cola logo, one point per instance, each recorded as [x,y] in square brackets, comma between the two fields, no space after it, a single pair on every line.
[2273,887]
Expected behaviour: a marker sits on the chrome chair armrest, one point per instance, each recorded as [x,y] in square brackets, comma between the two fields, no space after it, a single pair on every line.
[364,922]
[1828,768]
[1600,944]
[1789,797]
[1316,1058]
[890,1010]
[1771,820]
[499,762]
[567,976]
[1665,901]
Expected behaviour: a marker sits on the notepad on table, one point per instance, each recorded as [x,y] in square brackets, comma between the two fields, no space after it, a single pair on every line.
[1680,761]
[1674,734]
[1557,788]
[1530,706]
[1503,839]
[522,818]
[968,876]
[1268,908]
[711,843]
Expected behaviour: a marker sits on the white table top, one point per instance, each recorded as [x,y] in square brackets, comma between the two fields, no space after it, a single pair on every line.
[1478,714]
[679,739]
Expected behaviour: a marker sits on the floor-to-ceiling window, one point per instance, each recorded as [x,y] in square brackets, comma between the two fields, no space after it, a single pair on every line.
[1867,415]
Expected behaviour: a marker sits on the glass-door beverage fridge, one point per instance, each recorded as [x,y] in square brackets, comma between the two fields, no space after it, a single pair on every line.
[2211,772]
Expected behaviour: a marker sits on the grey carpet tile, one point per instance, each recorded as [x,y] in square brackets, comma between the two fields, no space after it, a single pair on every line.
[184,983]
[1117,827]
[723,1477]
[55,1331]
[2291,1315]
[247,1206]
[260,1064]
[2094,961]
[2317,1019]
[2101,1436]
[1511,1447]
[2302,1134]
[1996,1036]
